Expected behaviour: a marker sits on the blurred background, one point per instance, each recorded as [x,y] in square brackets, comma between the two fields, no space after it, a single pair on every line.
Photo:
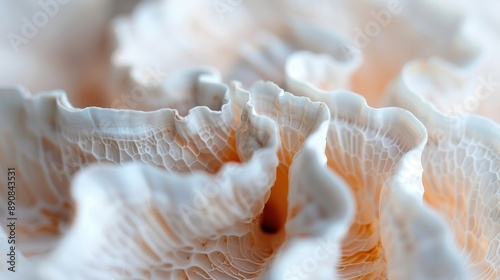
[65,44]
[100,51]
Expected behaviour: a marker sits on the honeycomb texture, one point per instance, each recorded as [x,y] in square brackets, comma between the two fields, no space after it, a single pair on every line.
[48,141]
[464,187]
[231,183]
[377,153]
[320,211]
[180,227]
[336,188]
[296,118]
[166,226]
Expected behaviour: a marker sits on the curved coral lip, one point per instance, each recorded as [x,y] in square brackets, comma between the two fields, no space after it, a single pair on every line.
[429,114]
[124,119]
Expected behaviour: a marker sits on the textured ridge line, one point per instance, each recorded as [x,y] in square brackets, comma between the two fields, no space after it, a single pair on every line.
[461,175]
[212,215]
[368,148]
[48,141]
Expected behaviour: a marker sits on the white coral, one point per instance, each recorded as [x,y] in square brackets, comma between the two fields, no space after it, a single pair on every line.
[190,175]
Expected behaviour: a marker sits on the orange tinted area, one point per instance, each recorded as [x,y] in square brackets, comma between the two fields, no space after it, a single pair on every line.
[206,160]
[360,260]
[275,210]
[453,203]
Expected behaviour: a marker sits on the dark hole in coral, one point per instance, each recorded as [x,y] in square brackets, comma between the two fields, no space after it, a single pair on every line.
[269,222]
[268,227]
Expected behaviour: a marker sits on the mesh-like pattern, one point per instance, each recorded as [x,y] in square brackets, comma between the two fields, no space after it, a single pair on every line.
[50,142]
[460,175]
[464,189]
